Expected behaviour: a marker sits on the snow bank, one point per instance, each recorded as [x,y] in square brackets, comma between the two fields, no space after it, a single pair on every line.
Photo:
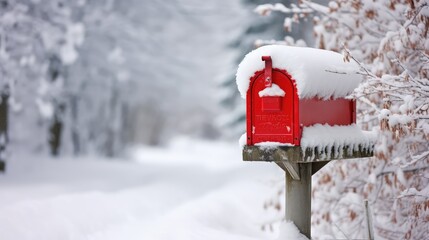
[288,230]
[316,72]
[189,151]
[325,137]
[107,199]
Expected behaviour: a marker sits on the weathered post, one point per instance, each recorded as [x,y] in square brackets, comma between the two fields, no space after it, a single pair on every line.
[298,199]
[298,117]
[298,171]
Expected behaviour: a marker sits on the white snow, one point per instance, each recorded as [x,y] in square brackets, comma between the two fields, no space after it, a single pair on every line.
[384,114]
[408,104]
[288,24]
[399,119]
[401,177]
[116,56]
[68,54]
[183,150]
[273,91]
[242,141]
[327,137]
[46,109]
[333,5]
[270,145]
[316,72]
[76,33]
[288,230]
[74,37]
[266,9]
[158,194]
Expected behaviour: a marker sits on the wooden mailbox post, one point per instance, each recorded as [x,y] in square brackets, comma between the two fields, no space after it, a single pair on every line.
[287,117]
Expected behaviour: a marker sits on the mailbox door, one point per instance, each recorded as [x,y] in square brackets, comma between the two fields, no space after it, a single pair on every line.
[272,118]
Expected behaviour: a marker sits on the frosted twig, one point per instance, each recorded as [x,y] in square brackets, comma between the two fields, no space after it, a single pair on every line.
[382,173]
[358,62]
[337,72]
[409,22]
[345,235]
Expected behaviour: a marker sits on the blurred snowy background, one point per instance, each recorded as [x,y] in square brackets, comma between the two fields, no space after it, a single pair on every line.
[119,119]
[94,77]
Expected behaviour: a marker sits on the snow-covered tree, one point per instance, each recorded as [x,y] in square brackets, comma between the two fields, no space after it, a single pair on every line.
[135,81]
[96,83]
[18,64]
[389,39]
[65,93]
[37,39]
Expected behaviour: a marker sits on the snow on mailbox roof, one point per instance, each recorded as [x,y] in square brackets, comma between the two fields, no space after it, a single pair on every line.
[316,72]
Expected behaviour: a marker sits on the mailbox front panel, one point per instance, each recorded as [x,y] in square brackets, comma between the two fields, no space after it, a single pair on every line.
[272,118]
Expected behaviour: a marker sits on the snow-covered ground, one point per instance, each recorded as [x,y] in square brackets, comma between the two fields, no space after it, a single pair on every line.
[188,190]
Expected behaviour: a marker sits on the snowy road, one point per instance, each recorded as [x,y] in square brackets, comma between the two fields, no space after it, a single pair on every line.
[160,194]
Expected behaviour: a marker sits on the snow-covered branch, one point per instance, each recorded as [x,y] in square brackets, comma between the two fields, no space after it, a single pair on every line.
[388,40]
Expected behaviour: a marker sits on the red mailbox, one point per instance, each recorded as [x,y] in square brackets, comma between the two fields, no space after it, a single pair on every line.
[276,113]
[297,96]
